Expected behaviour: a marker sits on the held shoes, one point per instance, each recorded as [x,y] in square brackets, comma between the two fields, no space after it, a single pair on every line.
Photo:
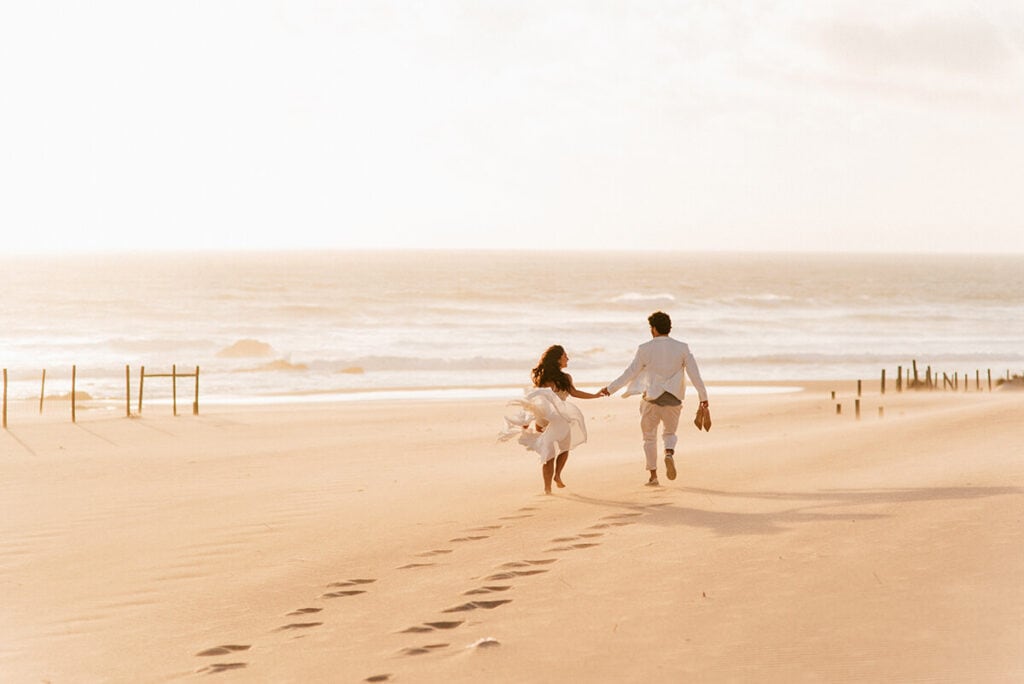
[703,419]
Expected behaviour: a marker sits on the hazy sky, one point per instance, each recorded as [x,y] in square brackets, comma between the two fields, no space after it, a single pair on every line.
[813,125]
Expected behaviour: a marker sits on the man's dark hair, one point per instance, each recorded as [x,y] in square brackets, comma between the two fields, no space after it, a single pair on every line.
[660,321]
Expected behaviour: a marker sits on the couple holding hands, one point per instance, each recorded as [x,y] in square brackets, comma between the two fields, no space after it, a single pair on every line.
[551,426]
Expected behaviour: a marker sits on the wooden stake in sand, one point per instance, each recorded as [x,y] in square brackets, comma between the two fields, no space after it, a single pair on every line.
[42,392]
[899,378]
[881,411]
[127,391]
[883,381]
[839,409]
[856,408]
[74,371]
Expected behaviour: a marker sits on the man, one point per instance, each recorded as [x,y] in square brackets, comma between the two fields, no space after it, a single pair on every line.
[657,372]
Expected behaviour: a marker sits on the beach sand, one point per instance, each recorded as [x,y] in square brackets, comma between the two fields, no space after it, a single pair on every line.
[397,541]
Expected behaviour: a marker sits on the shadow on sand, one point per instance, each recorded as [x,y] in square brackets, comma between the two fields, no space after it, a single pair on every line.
[809,506]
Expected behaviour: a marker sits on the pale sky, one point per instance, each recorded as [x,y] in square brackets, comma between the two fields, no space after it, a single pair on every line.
[718,125]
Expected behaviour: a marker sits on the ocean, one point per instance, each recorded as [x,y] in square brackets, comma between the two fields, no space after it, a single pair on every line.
[290,326]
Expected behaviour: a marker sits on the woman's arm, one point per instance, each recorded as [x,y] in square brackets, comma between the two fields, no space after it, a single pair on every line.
[580,394]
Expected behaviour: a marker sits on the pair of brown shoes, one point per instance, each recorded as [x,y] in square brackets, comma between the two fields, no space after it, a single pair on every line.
[703,419]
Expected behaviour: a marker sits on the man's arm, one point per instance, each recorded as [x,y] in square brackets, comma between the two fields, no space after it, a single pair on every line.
[690,364]
[631,372]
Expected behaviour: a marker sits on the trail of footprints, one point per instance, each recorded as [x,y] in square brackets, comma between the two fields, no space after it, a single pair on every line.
[507,571]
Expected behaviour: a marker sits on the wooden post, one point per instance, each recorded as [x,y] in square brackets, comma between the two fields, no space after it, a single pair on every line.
[899,378]
[915,372]
[42,392]
[833,394]
[839,409]
[856,407]
[73,373]
[883,381]
[977,380]
[127,391]
[989,379]
[5,399]
[195,403]
[174,389]
[956,381]
[858,388]
[881,411]
[142,379]
[929,376]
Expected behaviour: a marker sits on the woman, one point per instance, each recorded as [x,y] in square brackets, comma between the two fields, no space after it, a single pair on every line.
[557,426]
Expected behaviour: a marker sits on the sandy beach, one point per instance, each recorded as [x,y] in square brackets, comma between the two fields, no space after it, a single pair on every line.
[397,541]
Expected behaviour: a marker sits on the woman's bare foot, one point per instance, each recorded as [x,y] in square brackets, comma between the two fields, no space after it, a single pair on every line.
[558,481]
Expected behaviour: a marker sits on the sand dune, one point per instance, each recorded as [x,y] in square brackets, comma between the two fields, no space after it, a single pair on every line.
[399,542]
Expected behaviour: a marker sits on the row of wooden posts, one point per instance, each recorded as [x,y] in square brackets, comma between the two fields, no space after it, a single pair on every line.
[913,381]
[173,375]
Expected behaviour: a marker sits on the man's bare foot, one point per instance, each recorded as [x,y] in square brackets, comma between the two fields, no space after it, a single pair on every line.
[547,490]
[558,481]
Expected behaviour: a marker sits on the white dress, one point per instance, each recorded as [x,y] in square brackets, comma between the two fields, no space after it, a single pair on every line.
[563,426]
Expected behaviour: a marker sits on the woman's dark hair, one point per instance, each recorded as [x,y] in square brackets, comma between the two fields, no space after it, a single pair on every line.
[548,372]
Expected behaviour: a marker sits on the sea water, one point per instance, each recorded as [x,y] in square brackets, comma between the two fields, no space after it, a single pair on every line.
[312,326]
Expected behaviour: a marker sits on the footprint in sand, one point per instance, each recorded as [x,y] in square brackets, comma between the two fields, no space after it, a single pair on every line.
[433,552]
[305,611]
[431,626]
[515,517]
[351,582]
[488,589]
[420,650]
[410,566]
[221,667]
[223,650]
[466,539]
[589,535]
[527,563]
[378,678]
[473,605]
[485,528]
[616,516]
[572,548]
[563,539]
[512,574]
[340,594]
[298,625]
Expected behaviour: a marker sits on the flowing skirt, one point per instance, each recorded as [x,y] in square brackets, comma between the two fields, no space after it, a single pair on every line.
[545,424]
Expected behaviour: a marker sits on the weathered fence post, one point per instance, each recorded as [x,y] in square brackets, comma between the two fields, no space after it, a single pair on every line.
[883,381]
[73,373]
[899,378]
[195,403]
[915,372]
[839,409]
[858,388]
[142,379]
[174,388]
[42,392]
[127,391]
[989,379]
[856,408]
